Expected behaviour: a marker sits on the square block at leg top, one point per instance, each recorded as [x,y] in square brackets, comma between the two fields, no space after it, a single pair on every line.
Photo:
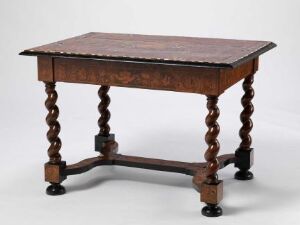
[99,140]
[212,193]
[244,158]
[53,172]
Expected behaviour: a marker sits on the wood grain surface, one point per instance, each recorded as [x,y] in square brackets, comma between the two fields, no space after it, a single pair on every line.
[152,48]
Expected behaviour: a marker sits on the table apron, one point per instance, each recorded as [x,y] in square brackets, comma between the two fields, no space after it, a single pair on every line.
[180,78]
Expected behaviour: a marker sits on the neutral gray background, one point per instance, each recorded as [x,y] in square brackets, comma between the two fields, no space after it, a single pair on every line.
[148,123]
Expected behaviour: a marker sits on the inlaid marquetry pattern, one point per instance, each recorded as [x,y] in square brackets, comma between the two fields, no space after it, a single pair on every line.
[103,110]
[54,126]
[247,112]
[152,48]
[211,140]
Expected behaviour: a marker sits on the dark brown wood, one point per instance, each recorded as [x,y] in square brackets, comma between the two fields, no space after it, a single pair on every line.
[211,140]
[248,110]
[45,69]
[195,65]
[54,168]
[212,187]
[103,110]
[109,149]
[54,172]
[54,126]
[105,141]
[197,170]
[244,153]
[137,75]
[145,163]
[212,193]
[200,175]
[138,162]
[146,48]
[209,81]
[229,77]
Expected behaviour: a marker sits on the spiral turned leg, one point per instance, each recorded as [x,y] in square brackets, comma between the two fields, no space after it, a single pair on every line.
[212,188]
[104,141]
[103,110]
[244,153]
[55,165]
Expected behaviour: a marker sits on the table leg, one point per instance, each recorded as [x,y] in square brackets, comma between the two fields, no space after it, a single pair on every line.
[244,154]
[212,188]
[54,167]
[105,141]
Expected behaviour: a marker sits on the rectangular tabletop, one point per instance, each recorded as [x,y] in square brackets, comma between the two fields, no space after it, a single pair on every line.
[197,65]
[168,49]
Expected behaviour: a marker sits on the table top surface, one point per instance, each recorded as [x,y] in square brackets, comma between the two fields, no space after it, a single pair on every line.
[156,49]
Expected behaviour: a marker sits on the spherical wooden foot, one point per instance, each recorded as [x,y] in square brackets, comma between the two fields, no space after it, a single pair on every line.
[212,210]
[243,175]
[55,189]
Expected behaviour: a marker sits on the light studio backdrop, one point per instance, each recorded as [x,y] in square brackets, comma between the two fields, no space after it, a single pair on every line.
[148,123]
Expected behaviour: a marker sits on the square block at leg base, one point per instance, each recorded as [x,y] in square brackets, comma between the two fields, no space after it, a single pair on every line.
[212,193]
[99,140]
[244,158]
[53,172]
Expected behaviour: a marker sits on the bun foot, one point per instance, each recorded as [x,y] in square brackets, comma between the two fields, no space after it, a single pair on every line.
[243,175]
[55,189]
[212,210]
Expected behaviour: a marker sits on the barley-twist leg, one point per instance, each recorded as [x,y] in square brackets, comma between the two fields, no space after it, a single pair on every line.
[55,143]
[54,126]
[105,141]
[244,153]
[103,110]
[211,140]
[211,190]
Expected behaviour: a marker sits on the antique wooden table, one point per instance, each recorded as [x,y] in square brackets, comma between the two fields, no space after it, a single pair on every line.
[195,65]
